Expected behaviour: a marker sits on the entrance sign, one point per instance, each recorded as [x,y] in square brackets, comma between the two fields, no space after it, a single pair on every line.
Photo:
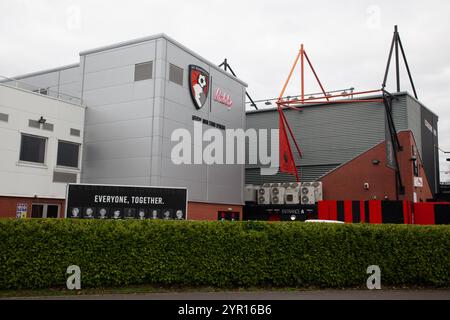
[92,201]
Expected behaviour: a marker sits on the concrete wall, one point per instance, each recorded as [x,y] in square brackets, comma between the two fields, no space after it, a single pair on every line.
[19,178]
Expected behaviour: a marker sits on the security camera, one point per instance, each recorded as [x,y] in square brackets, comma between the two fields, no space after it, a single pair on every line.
[366,186]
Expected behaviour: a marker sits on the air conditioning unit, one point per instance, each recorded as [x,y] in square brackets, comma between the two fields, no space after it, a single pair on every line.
[307,195]
[292,194]
[318,193]
[264,194]
[250,192]
[277,193]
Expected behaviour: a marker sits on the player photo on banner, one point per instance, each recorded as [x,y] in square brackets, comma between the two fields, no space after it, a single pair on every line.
[102,213]
[74,213]
[142,214]
[130,213]
[117,213]
[88,213]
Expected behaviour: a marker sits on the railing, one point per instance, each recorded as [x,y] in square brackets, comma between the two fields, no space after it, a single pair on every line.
[14,83]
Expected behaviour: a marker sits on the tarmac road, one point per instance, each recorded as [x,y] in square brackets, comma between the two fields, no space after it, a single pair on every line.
[268,295]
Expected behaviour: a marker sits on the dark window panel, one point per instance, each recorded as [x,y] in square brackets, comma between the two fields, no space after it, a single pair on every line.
[143,71]
[32,149]
[68,154]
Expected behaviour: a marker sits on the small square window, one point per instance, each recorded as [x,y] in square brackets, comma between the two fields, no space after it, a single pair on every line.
[175,74]
[143,71]
[68,154]
[32,149]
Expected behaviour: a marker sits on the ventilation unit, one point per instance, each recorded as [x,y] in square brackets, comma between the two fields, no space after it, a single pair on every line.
[318,193]
[264,194]
[292,195]
[277,193]
[307,195]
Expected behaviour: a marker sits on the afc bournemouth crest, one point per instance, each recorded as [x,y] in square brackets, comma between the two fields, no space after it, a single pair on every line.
[198,85]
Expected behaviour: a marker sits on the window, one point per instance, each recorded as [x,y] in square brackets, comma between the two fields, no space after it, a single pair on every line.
[32,148]
[4,117]
[175,74]
[44,211]
[68,154]
[143,71]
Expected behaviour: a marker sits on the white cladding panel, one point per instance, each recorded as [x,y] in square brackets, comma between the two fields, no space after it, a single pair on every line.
[25,179]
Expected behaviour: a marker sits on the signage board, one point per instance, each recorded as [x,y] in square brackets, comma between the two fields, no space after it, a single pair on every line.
[92,201]
[21,210]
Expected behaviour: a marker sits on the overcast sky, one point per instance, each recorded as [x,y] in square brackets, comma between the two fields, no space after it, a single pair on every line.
[347,41]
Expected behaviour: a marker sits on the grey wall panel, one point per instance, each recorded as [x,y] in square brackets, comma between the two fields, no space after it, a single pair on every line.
[118,149]
[116,168]
[119,130]
[195,172]
[130,110]
[219,193]
[118,94]
[414,121]
[120,57]
[109,77]
[196,190]
[134,181]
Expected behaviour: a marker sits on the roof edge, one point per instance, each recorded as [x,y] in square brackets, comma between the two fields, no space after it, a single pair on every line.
[166,37]
[41,72]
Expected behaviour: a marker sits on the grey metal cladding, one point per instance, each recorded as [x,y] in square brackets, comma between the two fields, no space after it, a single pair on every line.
[306,174]
[64,177]
[176,74]
[34,124]
[4,117]
[329,135]
[143,71]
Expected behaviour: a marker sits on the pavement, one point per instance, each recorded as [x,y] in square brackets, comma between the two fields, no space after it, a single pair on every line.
[348,294]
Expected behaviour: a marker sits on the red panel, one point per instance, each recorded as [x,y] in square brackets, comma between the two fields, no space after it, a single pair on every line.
[424,213]
[348,216]
[407,212]
[362,212]
[323,213]
[332,209]
[375,211]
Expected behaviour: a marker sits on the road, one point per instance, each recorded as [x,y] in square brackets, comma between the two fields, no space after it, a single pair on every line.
[267,295]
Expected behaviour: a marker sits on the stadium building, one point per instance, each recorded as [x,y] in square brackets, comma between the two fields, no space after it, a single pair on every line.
[108,120]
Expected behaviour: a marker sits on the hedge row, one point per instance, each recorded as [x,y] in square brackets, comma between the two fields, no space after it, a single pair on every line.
[36,253]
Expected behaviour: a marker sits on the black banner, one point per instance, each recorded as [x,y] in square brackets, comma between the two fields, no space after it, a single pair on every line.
[286,212]
[87,201]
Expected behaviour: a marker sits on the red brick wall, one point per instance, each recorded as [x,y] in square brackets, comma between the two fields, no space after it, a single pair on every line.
[196,210]
[8,205]
[347,182]
[209,211]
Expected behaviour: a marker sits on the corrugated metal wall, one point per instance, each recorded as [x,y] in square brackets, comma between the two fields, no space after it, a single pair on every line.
[330,135]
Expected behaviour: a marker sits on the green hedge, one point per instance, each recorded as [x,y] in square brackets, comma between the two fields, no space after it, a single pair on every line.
[36,253]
